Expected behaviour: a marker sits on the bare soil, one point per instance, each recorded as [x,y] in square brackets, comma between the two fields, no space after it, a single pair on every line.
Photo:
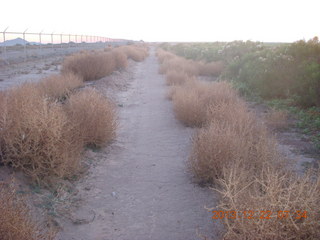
[297,147]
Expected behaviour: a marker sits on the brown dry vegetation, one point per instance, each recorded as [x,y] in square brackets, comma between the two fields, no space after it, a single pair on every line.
[176,77]
[36,135]
[94,117]
[45,126]
[45,138]
[60,85]
[179,64]
[135,52]
[164,55]
[273,189]
[171,62]
[16,222]
[192,100]
[95,65]
[120,57]
[220,145]
[90,65]
[234,151]
[211,69]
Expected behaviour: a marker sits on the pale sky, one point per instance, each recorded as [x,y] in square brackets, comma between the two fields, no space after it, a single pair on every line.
[168,20]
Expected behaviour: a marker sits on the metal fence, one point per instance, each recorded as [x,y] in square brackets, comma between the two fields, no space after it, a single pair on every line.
[24,41]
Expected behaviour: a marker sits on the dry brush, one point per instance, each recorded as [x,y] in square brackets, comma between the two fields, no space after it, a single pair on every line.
[234,152]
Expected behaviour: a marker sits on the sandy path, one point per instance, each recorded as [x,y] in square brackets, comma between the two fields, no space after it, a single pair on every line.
[141,188]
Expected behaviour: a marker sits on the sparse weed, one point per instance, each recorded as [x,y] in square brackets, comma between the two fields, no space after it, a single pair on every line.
[277,119]
[16,222]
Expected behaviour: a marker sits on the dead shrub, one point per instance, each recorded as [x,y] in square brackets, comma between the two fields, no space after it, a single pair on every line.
[179,64]
[276,119]
[95,65]
[189,103]
[235,114]
[164,55]
[221,92]
[60,85]
[16,222]
[120,58]
[36,135]
[188,107]
[94,116]
[135,52]
[267,196]
[174,77]
[90,65]
[171,92]
[211,69]
[170,62]
[220,145]
[236,153]
[191,100]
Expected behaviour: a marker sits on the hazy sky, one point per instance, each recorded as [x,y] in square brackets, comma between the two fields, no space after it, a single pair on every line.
[168,20]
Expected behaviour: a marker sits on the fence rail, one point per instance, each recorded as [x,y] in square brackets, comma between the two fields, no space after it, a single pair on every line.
[32,40]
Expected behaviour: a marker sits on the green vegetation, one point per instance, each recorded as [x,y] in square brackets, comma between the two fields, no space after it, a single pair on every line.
[289,73]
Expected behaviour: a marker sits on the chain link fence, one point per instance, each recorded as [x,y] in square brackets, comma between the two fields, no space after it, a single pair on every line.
[22,46]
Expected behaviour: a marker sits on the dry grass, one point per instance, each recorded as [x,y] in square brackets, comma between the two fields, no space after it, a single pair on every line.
[188,105]
[174,77]
[16,222]
[94,65]
[171,92]
[192,100]
[44,126]
[94,116]
[90,65]
[179,64]
[234,151]
[120,58]
[274,190]
[170,62]
[36,135]
[277,119]
[164,55]
[211,69]
[219,146]
[135,52]
[59,86]
[43,130]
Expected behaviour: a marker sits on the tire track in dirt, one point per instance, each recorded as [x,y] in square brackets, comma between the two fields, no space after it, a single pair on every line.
[141,188]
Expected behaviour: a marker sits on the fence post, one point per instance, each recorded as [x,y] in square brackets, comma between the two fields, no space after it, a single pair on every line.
[52,40]
[4,43]
[61,40]
[40,47]
[69,41]
[25,45]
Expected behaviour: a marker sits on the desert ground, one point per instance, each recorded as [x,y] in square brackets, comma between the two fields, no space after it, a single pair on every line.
[140,186]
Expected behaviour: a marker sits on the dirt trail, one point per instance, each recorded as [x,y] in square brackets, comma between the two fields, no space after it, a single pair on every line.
[141,189]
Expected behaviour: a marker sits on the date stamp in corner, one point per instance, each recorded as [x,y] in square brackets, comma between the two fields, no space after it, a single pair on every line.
[265,214]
